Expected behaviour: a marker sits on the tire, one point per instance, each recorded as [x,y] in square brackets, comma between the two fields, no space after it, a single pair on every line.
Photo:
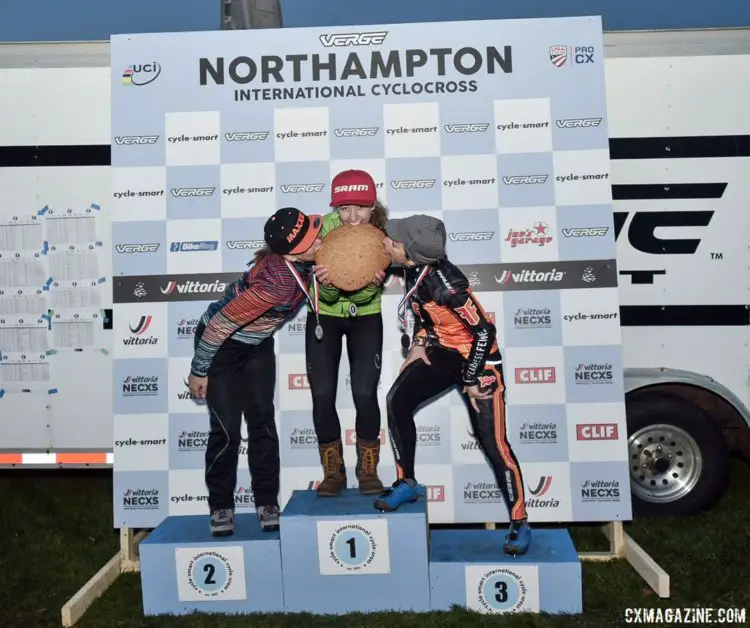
[698,471]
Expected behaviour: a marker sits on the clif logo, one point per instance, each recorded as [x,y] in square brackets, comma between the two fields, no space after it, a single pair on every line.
[351,437]
[298,381]
[536,375]
[435,493]
[597,431]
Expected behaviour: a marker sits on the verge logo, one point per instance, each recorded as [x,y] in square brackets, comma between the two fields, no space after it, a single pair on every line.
[597,431]
[136,140]
[526,179]
[585,232]
[413,184]
[357,132]
[140,74]
[340,40]
[233,245]
[472,236]
[302,188]
[192,192]
[600,491]
[129,249]
[536,375]
[578,123]
[194,247]
[593,374]
[138,330]
[246,136]
[140,499]
[477,127]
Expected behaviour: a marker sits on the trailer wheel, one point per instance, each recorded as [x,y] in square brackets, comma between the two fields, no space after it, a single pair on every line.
[679,460]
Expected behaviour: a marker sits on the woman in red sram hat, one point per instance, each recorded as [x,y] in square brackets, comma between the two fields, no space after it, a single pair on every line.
[355,315]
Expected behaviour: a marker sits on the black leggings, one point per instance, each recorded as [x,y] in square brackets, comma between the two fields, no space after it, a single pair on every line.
[241,381]
[364,346]
[420,382]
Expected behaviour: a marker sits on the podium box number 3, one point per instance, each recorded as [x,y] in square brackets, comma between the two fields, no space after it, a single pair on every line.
[210,573]
[349,547]
[502,589]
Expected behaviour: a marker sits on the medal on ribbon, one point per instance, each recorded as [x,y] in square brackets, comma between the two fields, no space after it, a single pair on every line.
[403,323]
[313,299]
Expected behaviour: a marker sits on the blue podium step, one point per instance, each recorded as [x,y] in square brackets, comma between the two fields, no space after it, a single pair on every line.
[339,555]
[184,569]
[470,569]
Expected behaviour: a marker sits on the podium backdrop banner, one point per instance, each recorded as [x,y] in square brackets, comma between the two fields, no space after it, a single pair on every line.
[499,128]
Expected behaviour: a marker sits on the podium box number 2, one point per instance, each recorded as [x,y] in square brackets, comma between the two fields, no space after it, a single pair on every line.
[184,569]
[383,557]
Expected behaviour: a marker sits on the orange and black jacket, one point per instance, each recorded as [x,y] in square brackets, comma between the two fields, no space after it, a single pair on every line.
[447,313]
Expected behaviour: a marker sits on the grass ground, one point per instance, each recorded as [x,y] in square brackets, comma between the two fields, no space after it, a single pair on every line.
[55,533]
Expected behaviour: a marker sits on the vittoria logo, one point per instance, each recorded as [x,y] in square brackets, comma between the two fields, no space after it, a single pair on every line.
[530,276]
[140,499]
[538,497]
[140,386]
[600,491]
[193,287]
[138,333]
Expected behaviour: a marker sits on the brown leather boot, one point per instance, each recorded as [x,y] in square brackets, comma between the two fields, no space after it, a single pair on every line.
[368,456]
[334,471]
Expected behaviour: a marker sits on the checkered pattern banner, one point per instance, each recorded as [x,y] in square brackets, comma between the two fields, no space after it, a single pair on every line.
[498,128]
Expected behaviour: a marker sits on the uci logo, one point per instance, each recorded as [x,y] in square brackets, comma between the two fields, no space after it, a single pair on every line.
[140,74]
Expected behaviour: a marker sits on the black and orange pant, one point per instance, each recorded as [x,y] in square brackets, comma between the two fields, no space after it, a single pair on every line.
[420,382]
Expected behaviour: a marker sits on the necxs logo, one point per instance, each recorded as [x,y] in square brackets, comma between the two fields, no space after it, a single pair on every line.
[302,188]
[527,179]
[357,132]
[467,128]
[246,136]
[187,192]
[413,184]
[341,40]
[136,140]
[136,248]
[578,123]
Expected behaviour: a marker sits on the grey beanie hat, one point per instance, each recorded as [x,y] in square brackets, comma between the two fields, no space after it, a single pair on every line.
[423,237]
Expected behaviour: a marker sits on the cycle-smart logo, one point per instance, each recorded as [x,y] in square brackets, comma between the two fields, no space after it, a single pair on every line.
[502,590]
[140,74]
[210,574]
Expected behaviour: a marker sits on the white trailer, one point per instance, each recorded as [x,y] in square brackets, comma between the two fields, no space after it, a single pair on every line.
[680,151]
